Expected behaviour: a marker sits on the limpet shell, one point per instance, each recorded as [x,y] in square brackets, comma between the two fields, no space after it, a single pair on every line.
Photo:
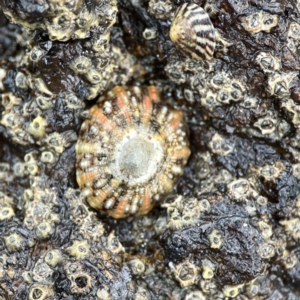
[130,151]
[192,32]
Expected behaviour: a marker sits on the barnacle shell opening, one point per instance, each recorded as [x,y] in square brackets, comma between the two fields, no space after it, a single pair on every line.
[192,32]
[130,152]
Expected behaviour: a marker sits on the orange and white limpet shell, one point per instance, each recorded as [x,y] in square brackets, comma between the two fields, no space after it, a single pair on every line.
[130,151]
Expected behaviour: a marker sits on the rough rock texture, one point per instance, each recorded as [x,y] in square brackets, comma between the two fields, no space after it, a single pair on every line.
[231,228]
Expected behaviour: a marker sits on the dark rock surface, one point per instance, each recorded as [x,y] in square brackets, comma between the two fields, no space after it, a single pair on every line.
[230,229]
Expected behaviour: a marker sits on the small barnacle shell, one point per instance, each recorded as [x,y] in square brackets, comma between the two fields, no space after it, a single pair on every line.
[149,33]
[81,65]
[220,146]
[37,127]
[42,291]
[130,151]
[101,43]
[294,31]
[232,291]
[14,242]
[192,32]
[186,273]
[215,239]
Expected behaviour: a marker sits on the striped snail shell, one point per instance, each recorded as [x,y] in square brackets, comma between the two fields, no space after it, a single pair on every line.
[192,32]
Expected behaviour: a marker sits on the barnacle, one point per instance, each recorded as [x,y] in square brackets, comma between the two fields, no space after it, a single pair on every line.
[138,266]
[240,189]
[149,33]
[268,62]
[182,212]
[207,273]
[259,21]
[6,207]
[161,9]
[38,205]
[130,151]
[231,290]
[279,84]
[79,249]
[290,259]
[215,239]
[14,242]
[294,31]
[80,280]
[185,273]
[40,291]
[42,271]
[53,257]
[219,146]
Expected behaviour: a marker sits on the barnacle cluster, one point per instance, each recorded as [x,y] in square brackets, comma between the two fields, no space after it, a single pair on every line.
[230,226]
[237,234]
[62,20]
[87,68]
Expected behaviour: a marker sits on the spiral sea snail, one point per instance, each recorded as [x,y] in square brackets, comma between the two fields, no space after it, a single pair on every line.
[192,32]
[130,152]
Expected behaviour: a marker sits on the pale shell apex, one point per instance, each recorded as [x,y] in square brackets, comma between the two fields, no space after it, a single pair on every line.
[130,151]
[192,32]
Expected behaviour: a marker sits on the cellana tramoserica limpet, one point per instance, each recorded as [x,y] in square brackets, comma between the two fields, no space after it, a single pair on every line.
[192,32]
[130,151]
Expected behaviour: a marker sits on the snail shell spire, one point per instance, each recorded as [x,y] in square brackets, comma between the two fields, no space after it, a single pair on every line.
[192,32]
[130,151]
